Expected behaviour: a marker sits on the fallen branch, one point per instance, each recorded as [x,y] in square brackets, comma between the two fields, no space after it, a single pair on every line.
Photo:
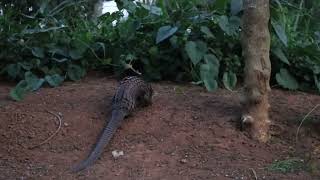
[254,173]
[49,138]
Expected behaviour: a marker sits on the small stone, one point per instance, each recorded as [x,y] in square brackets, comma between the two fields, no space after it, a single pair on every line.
[66,124]
[183,161]
[117,154]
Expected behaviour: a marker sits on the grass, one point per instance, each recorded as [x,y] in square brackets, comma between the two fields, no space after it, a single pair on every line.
[288,165]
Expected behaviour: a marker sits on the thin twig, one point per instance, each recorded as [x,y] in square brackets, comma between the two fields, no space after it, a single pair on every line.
[58,129]
[304,118]
[254,173]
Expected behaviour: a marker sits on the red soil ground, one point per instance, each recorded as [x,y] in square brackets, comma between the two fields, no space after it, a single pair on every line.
[187,134]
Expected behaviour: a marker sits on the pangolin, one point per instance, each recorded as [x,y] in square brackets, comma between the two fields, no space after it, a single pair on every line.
[132,92]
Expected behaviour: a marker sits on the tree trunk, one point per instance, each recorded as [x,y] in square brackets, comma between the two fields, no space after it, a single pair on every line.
[255,40]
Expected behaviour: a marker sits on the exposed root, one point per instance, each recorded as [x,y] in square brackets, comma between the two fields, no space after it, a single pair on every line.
[304,118]
[56,132]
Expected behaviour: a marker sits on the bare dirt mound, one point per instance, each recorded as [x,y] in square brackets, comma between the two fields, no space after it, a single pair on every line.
[187,133]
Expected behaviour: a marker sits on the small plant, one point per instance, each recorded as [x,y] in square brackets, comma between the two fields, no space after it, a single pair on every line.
[288,165]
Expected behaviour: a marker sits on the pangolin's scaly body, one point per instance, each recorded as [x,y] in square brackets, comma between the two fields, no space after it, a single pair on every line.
[132,92]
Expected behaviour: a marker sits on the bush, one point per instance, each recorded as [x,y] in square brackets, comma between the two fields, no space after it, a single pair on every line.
[48,42]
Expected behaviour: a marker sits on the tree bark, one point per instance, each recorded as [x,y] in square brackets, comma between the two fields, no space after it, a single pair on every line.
[255,40]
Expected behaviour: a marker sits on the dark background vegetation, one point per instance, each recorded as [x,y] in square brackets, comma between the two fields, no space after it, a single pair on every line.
[46,42]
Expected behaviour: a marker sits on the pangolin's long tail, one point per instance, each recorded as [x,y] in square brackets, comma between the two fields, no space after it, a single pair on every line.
[109,130]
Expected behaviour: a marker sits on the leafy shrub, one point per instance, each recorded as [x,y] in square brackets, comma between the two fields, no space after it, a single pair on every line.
[182,40]
[295,45]
[47,42]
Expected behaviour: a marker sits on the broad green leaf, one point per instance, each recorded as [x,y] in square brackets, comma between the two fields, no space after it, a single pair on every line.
[234,24]
[75,72]
[54,80]
[229,25]
[229,80]
[236,6]
[130,6]
[202,46]
[75,54]
[205,71]
[153,9]
[286,80]
[59,50]
[38,52]
[33,81]
[195,50]
[164,32]
[13,70]
[19,92]
[43,6]
[279,53]
[38,84]
[211,84]
[174,41]
[211,58]
[206,74]
[224,24]
[26,65]
[97,46]
[206,31]
[280,31]
[214,64]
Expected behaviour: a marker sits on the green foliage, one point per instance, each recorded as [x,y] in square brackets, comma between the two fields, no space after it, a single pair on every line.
[196,50]
[279,29]
[288,165]
[295,43]
[19,92]
[279,54]
[165,32]
[54,80]
[183,40]
[229,80]
[286,80]
[33,81]
[45,42]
